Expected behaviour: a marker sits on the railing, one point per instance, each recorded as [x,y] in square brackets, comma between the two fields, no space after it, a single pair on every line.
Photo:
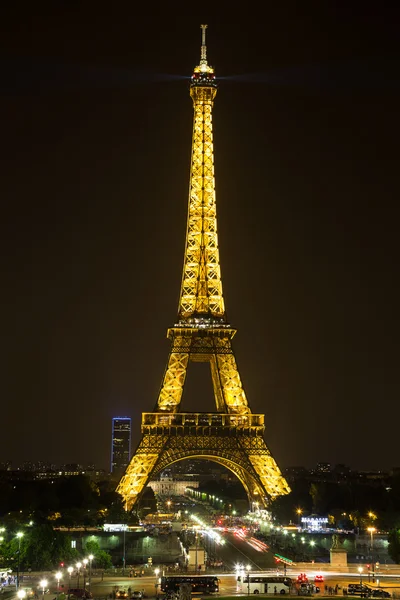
[202,420]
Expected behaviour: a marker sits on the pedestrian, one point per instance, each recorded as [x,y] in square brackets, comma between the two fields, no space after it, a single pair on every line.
[336,589]
[275,590]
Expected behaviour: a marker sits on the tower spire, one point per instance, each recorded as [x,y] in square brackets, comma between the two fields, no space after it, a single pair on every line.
[201,291]
[203,55]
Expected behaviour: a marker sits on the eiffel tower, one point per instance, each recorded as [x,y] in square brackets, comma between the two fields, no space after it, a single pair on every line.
[233,435]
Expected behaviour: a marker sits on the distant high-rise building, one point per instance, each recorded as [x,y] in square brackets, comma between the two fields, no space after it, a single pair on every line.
[120,444]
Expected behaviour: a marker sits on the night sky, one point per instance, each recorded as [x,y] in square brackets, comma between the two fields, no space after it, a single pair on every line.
[96,136]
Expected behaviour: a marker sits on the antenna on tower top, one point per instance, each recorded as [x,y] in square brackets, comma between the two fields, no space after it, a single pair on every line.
[203,56]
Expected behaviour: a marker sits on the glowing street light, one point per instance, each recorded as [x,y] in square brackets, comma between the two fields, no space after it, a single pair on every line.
[58,576]
[372,530]
[43,585]
[156,572]
[85,562]
[19,536]
[78,566]
[248,569]
[360,570]
[91,557]
[70,570]
[21,594]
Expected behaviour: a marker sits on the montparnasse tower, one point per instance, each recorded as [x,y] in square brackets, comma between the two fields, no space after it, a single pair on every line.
[232,436]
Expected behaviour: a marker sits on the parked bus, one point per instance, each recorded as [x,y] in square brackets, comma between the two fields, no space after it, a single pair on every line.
[201,584]
[268,584]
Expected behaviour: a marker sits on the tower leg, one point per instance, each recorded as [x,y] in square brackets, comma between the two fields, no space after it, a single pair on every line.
[173,382]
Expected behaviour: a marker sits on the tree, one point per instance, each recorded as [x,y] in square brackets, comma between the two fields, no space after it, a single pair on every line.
[147,503]
[394,545]
[41,548]
[102,559]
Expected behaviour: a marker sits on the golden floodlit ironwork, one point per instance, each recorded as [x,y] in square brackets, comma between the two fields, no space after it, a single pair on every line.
[233,436]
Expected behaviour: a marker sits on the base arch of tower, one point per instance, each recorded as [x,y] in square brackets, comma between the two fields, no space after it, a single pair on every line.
[249,482]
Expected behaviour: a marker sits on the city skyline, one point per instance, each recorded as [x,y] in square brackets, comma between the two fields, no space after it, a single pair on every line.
[93,240]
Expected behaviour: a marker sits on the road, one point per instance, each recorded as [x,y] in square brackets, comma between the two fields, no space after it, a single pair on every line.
[229,585]
[228,581]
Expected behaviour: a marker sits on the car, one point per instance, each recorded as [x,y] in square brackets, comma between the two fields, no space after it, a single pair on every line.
[359,589]
[122,594]
[79,593]
[380,594]
[302,578]
[318,579]
[138,594]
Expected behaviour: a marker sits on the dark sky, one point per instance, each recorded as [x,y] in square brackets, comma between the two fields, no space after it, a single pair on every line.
[96,134]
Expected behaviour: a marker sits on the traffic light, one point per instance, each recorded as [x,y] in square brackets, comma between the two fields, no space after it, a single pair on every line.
[61,564]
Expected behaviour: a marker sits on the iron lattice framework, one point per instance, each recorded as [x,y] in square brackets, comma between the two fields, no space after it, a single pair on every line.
[233,436]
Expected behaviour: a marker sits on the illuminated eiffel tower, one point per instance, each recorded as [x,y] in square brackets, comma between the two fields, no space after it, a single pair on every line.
[232,436]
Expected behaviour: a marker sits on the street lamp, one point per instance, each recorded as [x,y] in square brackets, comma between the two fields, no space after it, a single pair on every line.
[19,536]
[21,594]
[70,569]
[78,566]
[372,530]
[299,512]
[248,568]
[43,585]
[58,576]
[360,570]
[124,556]
[85,562]
[91,557]
[156,571]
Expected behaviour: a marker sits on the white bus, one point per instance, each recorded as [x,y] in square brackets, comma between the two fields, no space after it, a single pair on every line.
[268,584]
